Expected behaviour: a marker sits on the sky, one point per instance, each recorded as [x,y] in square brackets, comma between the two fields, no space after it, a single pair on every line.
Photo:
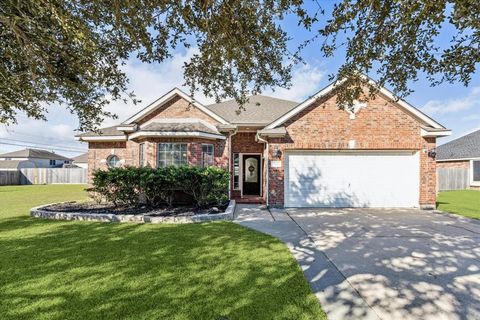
[453,105]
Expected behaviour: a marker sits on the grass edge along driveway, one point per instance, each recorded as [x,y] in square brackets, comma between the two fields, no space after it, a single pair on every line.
[462,202]
[87,270]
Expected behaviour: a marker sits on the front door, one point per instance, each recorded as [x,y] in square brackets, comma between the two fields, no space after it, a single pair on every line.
[251,174]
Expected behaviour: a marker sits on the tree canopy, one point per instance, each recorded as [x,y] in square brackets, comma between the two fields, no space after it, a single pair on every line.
[72,51]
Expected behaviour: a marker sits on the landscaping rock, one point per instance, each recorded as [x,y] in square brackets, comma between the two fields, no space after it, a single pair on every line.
[47,212]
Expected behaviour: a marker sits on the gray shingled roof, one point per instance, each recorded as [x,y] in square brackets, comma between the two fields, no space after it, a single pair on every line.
[10,164]
[34,153]
[83,158]
[259,110]
[109,131]
[465,147]
[179,127]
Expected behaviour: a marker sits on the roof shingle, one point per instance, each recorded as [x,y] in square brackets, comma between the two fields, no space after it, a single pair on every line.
[466,147]
[258,110]
[109,131]
[179,127]
[33,153]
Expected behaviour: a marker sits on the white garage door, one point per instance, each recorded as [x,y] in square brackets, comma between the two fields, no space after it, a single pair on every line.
[350,179]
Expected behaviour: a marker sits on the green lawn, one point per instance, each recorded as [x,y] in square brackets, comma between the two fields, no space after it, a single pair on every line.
[462,202]
[87,270]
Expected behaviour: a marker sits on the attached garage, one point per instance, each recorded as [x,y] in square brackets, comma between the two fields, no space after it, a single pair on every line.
[352,179]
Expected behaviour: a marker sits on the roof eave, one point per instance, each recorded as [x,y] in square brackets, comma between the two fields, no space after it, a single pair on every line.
[100,138]
[176,134]
[435,133]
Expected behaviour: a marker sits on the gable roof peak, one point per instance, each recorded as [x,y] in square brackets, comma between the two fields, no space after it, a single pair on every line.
[166,98]
[338,82]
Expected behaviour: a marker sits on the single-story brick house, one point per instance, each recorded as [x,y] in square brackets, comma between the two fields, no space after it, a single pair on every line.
[285,153]
[464,153]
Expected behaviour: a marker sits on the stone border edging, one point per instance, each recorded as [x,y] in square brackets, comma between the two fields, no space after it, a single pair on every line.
[40,212]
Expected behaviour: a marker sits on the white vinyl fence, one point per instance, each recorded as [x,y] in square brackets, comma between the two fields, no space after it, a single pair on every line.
[43,176]
[452,179]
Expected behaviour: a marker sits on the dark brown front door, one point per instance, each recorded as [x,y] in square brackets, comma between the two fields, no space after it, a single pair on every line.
[252,170]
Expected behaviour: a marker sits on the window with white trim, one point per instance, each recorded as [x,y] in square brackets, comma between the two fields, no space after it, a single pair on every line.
[172,154]
[236,171]
[113,161]
[53,162]
[476,171]
[141,154]
[207,155]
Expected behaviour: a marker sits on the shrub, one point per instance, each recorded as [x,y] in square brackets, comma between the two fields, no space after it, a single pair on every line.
[119,186]
[153,186]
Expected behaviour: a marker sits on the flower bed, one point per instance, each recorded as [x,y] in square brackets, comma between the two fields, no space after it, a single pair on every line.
[103,213]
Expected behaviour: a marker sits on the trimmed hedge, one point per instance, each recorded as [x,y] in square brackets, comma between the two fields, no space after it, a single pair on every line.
[133,186]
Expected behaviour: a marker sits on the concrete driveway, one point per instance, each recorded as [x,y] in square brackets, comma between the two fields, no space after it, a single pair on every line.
[404,264]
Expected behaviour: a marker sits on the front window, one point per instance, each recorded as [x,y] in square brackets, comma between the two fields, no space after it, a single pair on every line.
[476,171]
[172,154]
[236,171]
[113,161]
[207,155]
[52,162]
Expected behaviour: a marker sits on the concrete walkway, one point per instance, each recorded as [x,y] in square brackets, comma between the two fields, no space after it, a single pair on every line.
[337,297]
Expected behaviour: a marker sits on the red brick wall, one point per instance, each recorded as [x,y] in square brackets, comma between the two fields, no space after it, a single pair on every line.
[381,125]
[454,164]
[128,151]
[178,108]
[98,151]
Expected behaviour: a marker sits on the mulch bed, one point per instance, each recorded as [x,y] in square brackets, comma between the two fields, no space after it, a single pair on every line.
[96,208]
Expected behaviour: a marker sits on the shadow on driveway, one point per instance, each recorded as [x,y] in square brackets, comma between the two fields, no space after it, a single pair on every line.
[384,263]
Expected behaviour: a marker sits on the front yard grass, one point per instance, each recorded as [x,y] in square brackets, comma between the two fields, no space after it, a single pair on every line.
[462,202]
[87,270]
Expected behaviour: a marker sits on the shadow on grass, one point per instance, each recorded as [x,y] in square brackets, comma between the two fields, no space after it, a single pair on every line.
[78,270]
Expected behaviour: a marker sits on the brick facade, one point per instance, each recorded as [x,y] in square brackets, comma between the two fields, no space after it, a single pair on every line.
[379,126]
[128,151]
[178,108]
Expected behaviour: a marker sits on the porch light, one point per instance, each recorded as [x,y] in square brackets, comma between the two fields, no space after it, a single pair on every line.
[432,153]
[276,152]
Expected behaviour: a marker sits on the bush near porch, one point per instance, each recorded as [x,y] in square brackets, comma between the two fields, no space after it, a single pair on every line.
[133,186]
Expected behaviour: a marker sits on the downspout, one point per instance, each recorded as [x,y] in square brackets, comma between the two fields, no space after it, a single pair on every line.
[230,162]
[268,172]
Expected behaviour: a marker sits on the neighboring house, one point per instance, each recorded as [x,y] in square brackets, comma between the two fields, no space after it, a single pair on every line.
[285,153]
[81,160]
[33,158]
[15,164]
[462,153]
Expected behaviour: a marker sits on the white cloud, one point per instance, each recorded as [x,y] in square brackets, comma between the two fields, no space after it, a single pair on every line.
[471,117]
[306,79]
[437,107]
[149,82]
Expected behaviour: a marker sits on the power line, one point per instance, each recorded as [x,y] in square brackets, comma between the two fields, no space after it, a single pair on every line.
[33,146]
[39,143]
